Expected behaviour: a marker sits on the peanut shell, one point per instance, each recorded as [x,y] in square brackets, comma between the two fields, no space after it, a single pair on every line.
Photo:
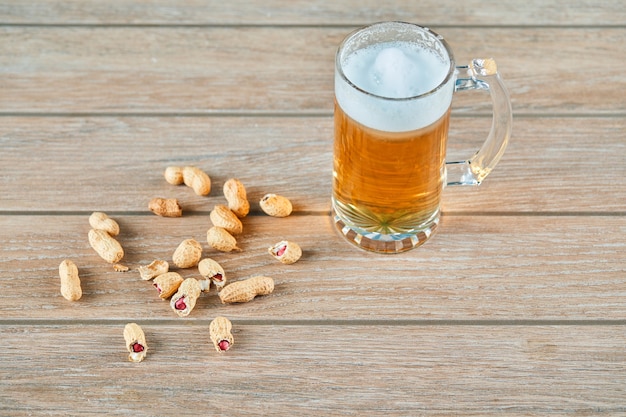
[154,269]
[286,252]
[185,298]
[174,175]
[167,284]
[220,333]
[213,271]
[235,194]
[187,254]
[106,246]
[165,207]
[70,281]
[101,221]
[222,216]
[220,239]
[276,205]
[246,290]
[197,179]
[135,342]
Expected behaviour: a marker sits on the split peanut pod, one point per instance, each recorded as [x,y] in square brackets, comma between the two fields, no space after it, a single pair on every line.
[165,207]
[167,284]
[286,252]
[235,194]
[213,271]
[219,238]
[222,216]
[246,290]
[101,221]
[185,298]
[276,205]
[187,254]
[220,332]
[135,342]
[197,179]
[70,281]
[154,269]
[106,246]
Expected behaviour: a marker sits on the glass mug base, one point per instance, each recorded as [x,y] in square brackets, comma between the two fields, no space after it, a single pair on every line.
[380,242]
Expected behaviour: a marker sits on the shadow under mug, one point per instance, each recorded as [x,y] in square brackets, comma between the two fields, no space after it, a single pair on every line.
[394,83]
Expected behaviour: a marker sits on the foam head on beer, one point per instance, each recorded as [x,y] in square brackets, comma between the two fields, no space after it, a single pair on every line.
[401,85]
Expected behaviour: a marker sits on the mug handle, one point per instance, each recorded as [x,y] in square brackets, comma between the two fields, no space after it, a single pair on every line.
[483,75]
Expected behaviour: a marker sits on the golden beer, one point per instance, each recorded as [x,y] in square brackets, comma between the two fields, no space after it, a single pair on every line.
[388,182]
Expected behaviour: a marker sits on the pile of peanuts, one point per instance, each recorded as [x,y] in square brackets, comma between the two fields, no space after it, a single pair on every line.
[183,293]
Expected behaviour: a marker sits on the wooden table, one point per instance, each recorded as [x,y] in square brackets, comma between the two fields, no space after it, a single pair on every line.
[517,306]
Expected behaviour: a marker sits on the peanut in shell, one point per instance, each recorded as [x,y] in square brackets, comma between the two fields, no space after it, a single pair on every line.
[101,221]
[222,216]
[187,254]
[237,198]
[219,238]
[276,205]
[106,246]
[246,290]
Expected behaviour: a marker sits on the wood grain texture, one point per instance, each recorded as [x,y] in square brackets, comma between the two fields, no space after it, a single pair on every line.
[515,307]
[117,163]
[312,370]
[317,12]
[199,69]
[475,268]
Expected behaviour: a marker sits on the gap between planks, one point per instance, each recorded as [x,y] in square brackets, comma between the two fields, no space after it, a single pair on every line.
[322,322]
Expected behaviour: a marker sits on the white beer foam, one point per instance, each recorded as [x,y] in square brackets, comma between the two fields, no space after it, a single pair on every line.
[397,86]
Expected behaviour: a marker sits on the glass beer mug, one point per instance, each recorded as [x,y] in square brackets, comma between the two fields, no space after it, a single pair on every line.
[394,83]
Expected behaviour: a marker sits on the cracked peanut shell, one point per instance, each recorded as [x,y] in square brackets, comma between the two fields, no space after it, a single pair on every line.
[135,342]
[286,252]
[220,333]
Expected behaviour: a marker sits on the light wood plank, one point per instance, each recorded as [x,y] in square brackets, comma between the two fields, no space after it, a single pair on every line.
[475,268]
[116,163]
[316,370]
[318,12]
[234,69]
